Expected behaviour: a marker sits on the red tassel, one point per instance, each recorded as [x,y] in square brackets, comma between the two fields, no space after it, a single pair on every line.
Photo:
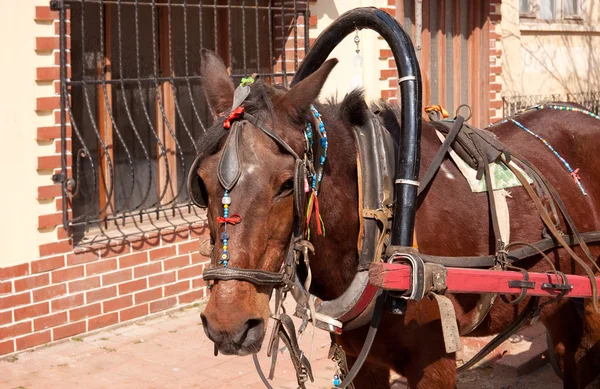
[318,216]
[236,114]
[314,200]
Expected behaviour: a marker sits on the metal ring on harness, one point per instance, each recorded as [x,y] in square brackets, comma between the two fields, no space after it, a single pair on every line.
[407,182]
[465,106]
[417,280]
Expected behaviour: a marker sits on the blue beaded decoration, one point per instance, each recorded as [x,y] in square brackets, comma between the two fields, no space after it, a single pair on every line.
[226,200]
[336,380]
[324,143]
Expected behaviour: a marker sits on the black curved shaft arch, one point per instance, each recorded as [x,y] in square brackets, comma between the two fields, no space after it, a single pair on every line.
[410,93]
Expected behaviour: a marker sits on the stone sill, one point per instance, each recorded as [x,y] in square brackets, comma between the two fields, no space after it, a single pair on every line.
[558,27]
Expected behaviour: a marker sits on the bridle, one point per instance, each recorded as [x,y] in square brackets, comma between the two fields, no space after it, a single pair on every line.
[229,172]
[308,173]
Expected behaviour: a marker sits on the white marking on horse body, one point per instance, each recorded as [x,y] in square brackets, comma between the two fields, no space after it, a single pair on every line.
[447,172]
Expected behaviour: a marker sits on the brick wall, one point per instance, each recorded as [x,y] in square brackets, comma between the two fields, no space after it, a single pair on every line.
[67,290]
[496,113]
[389,72]
[289,33]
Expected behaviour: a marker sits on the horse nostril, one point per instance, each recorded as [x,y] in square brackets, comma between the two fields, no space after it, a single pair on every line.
[254,330]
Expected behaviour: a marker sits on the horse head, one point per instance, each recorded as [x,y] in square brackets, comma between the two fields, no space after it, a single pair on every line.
[246,180]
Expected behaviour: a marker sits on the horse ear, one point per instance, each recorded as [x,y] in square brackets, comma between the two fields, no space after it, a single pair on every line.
[217,84]
[299,98]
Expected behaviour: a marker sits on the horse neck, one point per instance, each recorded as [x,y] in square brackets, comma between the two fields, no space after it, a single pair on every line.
[335,261]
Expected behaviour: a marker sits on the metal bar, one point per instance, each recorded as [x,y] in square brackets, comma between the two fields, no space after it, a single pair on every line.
[397,277]
[176,5]
[283,42]
[411,102]
[62,26]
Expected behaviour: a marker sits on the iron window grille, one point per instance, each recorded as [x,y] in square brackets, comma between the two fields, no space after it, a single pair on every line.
[133,105]
[514,104]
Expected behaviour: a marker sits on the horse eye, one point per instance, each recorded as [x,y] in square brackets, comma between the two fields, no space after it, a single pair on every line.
[286,189]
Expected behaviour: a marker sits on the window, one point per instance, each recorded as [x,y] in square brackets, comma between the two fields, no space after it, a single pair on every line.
[551,10]
[135,98]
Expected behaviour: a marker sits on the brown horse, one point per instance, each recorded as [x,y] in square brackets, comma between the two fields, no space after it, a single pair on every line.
[451,220]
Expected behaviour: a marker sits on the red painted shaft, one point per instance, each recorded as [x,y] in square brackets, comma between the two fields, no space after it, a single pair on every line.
[398,277]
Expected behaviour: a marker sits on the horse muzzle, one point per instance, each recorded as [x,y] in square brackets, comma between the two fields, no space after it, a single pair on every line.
[240,340]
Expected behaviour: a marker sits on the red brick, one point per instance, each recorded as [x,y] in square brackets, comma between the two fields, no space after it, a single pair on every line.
[68,330]
[177,288]
[191,296]
[47,43]
[32,311]
[163,252]
[6,287]
[49,221]
[145,270]
[54,248]
[192,271]
[165,278]
[85,284]
[388,73]
[15,330]
[496,104]
[83,257]
[132,286]
[387,94]
[102,266]
[116,277]
[67,302]
[161,305]
[133,312]
[43,13]
[47,264]
[5,318]
[49,162]
[313,20]
[385,53]
[49,192]
[49,292]
[198,231]
[148,295]
[133,260]
[7,347]
[47,103]
[32,282]
[176,262]
[198,283]
[101,294]
[103,321]
[47,73]
[77,314]
[118,303]
[116,250]
[14,271]
[49,133]
[15,300]
[33,340]
[67,274]
[188,247]
[197,258]
[146,243]
[177,236]
[53,320]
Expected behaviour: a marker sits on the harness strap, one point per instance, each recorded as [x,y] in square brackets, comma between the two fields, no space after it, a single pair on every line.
[257,123]
[258,277]
[501,337]
[546,219]
[439,156]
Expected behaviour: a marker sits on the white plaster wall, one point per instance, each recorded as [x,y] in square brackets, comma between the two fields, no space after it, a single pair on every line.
[19,237]
[339,80]
[544,58]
